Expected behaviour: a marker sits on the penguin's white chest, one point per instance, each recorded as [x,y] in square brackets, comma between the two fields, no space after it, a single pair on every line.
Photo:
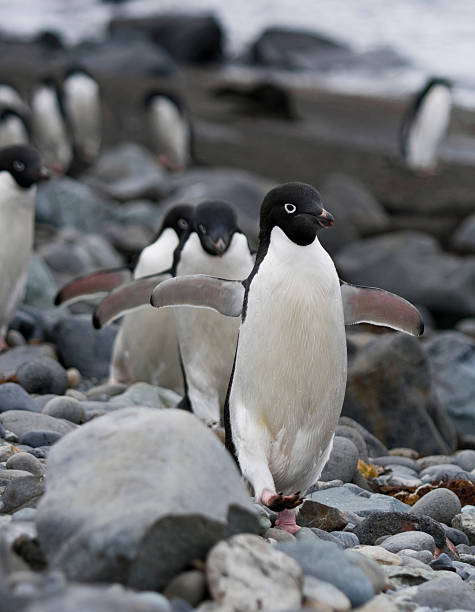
[290,372]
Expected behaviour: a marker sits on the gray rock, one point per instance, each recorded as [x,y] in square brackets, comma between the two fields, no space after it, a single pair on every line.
[390,460]
[389,385]
[415,540]
[19,422]
[25,461]
[442,563]
[40,437]
[455,535]
[314,514]
[445,594]
[27,514]
[64,202]
[407,576]
[326,561]
[42,376]
[278,535]
[347,538]
[189,586]
[370,568]
[451,358]
[12,359]
[375,447]
[424,556]
[81,346]
[143,394]
[187,498]
[40,285]
[465,459]
[412,265]
[22,492]
[398,475]
[342,462]
[344,431]
[320,592]
[463,239]
[351,498]
[466,523]
[247,573]
[127,172]
[14,397]
[67,408]
[440,504]
[445,471]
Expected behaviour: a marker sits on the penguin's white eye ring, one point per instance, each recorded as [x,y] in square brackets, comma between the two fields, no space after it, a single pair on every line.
[202,229]
[18,166]
[290,208]
[182,223]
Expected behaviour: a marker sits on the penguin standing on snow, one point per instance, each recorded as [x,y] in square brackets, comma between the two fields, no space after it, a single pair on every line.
[81,100]
[50,132]
[207,340]
[425,124]
[288,382]
[170,128]
[145,348]
[20,171]
[14,129]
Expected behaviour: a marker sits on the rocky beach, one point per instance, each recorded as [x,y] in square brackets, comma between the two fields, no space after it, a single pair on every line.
[111,498]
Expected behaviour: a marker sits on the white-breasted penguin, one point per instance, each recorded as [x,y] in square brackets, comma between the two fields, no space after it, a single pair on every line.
[50,132]
[207,340]
[288,383]
[14,128]
[20,171]
[170,128]
[10,98]
[145,348]
[81,99]
[425,124]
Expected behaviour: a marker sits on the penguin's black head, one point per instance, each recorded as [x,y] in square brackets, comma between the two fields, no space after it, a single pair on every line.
[297,209]
[178,218]
[24,164]
[215,223]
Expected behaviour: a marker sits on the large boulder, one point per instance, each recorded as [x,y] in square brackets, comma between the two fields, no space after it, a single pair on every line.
[389,391]
[412,265]
[134,496]
[451,357]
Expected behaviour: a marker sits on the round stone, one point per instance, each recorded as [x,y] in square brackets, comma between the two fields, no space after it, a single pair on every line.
[342,462]
[13,397]
[64,407]
[42,376]
[39,437]
[440,504]
[25,461]
[415,540]
[74,377]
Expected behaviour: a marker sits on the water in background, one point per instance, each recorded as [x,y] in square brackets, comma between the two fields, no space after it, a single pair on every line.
[436,36]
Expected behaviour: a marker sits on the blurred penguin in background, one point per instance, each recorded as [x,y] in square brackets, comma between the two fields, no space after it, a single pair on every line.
[10,98]
[81,101]
[14,129]
[425,124]
[171,129]
[50,132]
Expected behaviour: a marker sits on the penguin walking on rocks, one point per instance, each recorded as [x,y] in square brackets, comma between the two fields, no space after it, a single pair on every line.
[20,171]
[145,348]
[14,129]
[81,100]
[288,382]
[50,132]
[425,124]
[170,127]
[207,340]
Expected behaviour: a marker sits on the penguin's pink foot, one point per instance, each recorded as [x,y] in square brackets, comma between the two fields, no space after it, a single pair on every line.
[279,502]
[286,521]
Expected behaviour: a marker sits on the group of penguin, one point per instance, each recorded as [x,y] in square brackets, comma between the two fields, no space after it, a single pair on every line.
[254,341]
[64,122]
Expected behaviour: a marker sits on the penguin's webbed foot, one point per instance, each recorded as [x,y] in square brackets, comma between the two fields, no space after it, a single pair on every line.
[278,502]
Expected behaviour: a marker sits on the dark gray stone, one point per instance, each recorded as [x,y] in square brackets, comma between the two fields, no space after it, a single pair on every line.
[440,504]
[67,408]
[188,497]
[345,431]
[451,357]
[19,422]
[40,437]
[326,561]
[463,239]
[22,493]
[81,346]
[25,461]
[375,447]
[445,471]
[14,397]
[347,538]
[456,536]
[395,460]
[443,562]
[389,386]
[42,376]
[342,462]
[412,265]
[12,359]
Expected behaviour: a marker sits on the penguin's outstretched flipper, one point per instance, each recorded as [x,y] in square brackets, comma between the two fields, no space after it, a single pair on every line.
[126,297]
[92,285]
[379,307]
[201,291]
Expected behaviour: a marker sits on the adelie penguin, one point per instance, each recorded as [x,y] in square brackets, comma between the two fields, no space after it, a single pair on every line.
[207,340]
[20,171]
[425,124]
[14,129]
[145,348]
[288,382]
[81,100]
[170,129]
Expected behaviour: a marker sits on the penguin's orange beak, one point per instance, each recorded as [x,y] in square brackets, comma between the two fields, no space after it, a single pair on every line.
[325,219]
